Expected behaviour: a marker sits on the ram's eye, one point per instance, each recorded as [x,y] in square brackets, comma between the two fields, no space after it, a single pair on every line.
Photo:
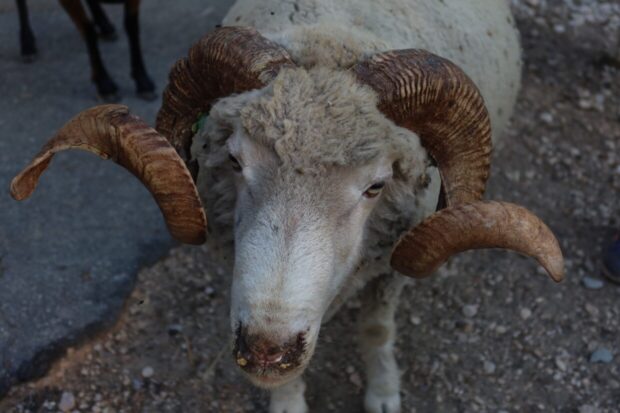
[374,190]
[235,163]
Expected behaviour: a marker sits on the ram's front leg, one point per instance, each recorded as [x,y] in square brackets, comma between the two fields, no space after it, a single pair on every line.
[377,335]
[289,398]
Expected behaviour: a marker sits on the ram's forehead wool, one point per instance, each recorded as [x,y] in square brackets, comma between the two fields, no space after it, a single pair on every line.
[318,116]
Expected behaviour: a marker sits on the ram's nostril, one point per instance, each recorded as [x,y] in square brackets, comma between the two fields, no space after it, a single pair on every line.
[258,351]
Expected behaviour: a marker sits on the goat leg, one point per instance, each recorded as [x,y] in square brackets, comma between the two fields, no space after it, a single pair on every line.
[26,36]
[145,88]
[107,31]
[107,89]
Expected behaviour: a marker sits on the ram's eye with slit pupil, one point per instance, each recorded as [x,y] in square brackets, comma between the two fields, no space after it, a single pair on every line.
[374,190]
[235,163]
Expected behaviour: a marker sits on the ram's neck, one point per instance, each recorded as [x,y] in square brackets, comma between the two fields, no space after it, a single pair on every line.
[328,45]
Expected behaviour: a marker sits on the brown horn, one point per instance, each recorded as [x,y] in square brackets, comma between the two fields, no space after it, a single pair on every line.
[226,61]
[482,224]
[112,132]
[434,98]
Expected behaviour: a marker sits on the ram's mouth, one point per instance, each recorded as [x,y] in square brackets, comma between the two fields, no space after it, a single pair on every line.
[274,371]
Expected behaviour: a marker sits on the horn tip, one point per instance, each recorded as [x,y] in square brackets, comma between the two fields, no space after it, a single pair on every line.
[20,190]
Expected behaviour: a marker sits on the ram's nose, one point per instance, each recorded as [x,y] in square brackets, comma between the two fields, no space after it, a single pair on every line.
[258,351]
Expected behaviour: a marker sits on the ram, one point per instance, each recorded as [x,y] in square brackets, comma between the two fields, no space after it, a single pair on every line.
[337,146]
[106,87]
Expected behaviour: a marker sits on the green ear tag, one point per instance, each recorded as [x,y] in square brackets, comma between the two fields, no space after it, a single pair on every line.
[199,124]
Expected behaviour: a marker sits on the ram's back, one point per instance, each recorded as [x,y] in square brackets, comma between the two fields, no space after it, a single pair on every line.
[478,35]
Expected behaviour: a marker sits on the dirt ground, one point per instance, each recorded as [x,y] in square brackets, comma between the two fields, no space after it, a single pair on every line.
[525,344]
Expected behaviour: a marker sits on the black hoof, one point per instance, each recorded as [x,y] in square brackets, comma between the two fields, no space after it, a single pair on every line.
[149,96]
[145,88]
[29,57]
[107,90]
[113,97]
[28,47]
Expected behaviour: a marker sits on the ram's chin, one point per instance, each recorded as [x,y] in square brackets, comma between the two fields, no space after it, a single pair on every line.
[272,380]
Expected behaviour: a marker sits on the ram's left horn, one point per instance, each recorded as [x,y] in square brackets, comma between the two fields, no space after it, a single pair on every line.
[482,224]
[112,132]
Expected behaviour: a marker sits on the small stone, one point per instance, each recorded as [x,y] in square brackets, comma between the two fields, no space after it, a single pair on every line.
[561,364]
[489,367]
[546,117]
[592,283]
[356,379]
[415,320]
[470,310]
[586,408]
[175,329]
[525,313]
[592,310]
[601,355]
[136,384]
[67,401]
[148,372]
[210,291]
[585,104]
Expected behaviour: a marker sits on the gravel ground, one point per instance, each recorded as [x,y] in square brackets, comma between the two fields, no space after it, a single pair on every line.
[489,334]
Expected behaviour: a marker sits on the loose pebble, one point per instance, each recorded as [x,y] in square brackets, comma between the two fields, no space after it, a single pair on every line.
[560,363]
[586,408]
[148,372]
[415,320]
[592,283]
[525,313]
[601,355]
[67,401]
[489,367]
[470,310]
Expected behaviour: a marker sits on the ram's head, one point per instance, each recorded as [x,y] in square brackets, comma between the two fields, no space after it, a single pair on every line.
[313,176]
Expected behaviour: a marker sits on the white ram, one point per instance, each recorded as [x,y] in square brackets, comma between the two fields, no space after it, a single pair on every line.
[327,138]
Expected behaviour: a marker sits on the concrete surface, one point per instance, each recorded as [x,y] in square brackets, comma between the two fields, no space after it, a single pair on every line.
[70,254]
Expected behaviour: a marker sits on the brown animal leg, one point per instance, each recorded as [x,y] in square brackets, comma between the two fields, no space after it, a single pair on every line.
[107,31]
[144,85]
[26,37]
[106,87]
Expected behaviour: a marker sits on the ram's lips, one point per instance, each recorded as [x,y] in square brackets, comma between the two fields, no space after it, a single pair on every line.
[270,380]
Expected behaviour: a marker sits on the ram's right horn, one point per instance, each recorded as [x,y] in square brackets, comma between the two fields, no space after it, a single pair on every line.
[482,224]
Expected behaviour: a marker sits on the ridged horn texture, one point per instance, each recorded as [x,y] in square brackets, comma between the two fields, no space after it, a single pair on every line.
[112,132]
[226,61]
[482,224]
[434,98]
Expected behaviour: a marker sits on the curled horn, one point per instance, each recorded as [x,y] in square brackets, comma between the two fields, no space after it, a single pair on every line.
[434,98]
[112,132]
[482,224]
[226,61]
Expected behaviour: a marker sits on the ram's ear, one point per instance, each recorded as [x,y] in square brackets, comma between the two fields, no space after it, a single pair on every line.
[112,132]
[482,224]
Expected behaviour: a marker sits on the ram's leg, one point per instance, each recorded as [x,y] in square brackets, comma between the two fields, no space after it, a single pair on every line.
[377,335]
[106,87]
[289,398]
[144,85]
[107,31]
[26,37]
